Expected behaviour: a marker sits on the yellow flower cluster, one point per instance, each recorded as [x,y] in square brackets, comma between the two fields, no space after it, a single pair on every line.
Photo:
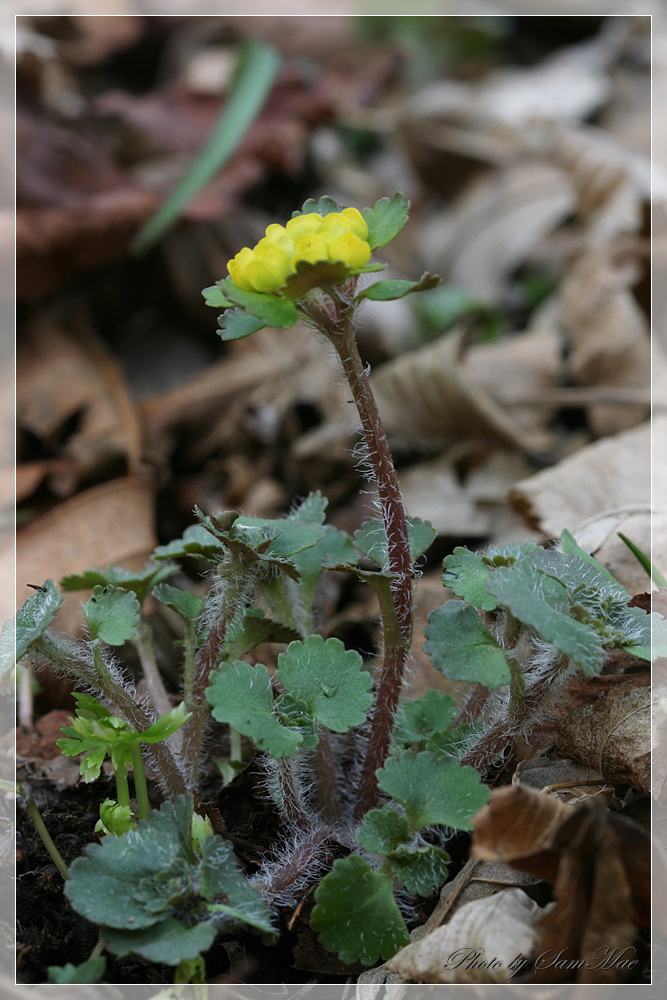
[339,237]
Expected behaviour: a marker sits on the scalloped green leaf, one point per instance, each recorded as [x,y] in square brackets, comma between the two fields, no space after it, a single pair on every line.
[356,913]
[575,572]
[419,719]
[420,869]
[196,542]
[433,789]
[287,536]
[322,207]
[383,830]
[571,547]
[386,219]
[235,324]
[187,605]
[223,884]
[140,581]
[329,679]
[112,614]
[652,644]
[214,297]
[371,539]
[165,726]
[465,573]
[271,309]
[462,648]
[90,971]
[109,884]
[31,621]
[312,509]
[384,291]
[242,696]
[169,942]
[533,598]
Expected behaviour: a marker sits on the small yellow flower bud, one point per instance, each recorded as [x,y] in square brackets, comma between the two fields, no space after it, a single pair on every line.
[349,249]
[303,225]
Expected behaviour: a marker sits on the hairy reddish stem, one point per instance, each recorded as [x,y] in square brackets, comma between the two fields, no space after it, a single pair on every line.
[397,643]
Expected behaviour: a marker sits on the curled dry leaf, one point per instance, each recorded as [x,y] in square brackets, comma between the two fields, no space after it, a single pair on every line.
[482,943]
[613,736]
[429,395]
[518,821]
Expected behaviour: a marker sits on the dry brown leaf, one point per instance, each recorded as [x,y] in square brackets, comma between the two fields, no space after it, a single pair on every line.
[607,333]
[428,394]
[111,524]
[496,224]
[518,821]
[64,372]
[613,736]
[480,944]
[571,783]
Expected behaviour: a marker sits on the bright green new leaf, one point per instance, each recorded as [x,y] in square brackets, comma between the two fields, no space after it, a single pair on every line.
[31,621]
[433,789]
[170,942]
[533,598]
[140,581]
[385,220]
[383,291]
[165,726]
[644,561]
[371,539]
[463,648]
[242,696]
[356,913]
[466,574]
[235,324]
[419,719]
[383,830]
[273,311]
[214,297]
[90,971]
[187,605]
[420,869]
[112,615]
[329,679]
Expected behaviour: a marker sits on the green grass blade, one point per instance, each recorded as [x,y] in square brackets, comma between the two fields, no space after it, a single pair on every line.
[644,561]
[255,74]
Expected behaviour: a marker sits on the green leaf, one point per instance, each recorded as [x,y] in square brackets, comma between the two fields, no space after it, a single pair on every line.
[311,510]
[456,742]
[140,581]
[214,297]
[90,971]
[255,74]
[644,561]
[420,869]
[225,886]
[463,648]
[112,614]
[242,696]
[531,596]
[169,942]
[356,913]
[187,605]
[653,643]
[386,219]
[383,830]
[108,884]
[196,542]
[286,536]
[272,310]
[115,820]
[570,547]
[165,726]
[578,574]
[235,324]
[33,618]
[329,679]
[254,629]
[371,539]
[322,207]
[466,575]
[419,719]
[433,790]
[383,291]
